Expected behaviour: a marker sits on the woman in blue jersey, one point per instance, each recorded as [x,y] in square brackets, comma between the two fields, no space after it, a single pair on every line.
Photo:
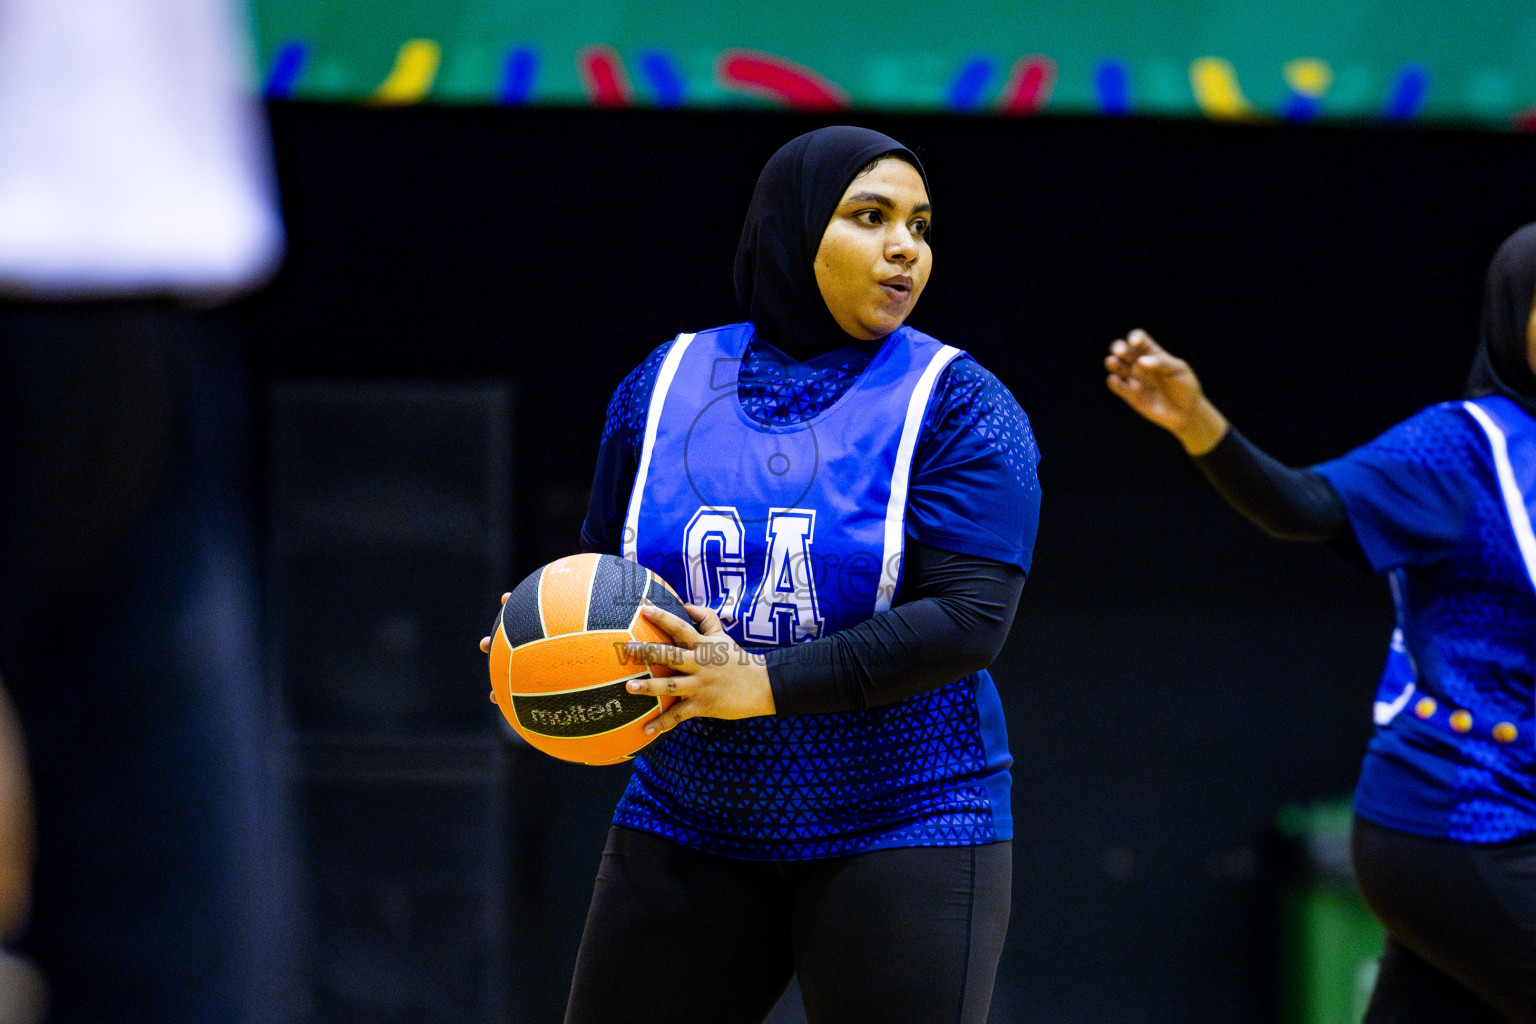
[848,507]
[1445,810]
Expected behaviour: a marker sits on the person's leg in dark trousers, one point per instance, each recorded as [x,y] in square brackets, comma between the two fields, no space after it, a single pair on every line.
[908,934]
[674,935]
[130,644]
[1461,919]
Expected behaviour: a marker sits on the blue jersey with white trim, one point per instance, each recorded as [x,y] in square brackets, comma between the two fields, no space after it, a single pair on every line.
[793,529]
[1443,504]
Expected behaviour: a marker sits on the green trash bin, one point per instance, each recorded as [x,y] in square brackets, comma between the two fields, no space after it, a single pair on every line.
[1330,944]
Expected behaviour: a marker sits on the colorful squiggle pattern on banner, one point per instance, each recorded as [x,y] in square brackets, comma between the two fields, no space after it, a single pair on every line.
[978,85]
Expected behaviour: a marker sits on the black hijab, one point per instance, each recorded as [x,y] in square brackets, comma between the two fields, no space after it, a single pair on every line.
[1502,364]
[795,198]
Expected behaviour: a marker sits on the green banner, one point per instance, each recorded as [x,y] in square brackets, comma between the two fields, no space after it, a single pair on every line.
[1356,60]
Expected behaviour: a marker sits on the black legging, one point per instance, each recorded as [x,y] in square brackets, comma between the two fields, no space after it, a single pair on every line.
[675,935]
[1461,927]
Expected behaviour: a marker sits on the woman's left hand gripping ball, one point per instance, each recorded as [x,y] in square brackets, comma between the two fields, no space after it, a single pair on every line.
[714,677]
[485,642]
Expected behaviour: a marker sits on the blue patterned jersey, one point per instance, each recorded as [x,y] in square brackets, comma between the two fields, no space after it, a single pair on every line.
[780,493]
[1442,503]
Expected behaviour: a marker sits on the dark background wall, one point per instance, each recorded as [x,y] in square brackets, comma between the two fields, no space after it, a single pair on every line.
[1174,678]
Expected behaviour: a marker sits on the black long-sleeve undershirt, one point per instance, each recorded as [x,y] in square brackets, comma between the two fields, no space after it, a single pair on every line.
[1285,502]
[954,619]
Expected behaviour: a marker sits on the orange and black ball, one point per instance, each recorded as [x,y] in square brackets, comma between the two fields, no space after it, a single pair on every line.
[558,658]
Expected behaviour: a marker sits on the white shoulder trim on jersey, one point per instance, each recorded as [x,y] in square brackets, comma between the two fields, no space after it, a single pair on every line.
[659,390]
[1514,501]
[896,508]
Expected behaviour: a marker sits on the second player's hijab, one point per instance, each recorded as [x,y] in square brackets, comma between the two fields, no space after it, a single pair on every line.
[1502,364]
[796,194]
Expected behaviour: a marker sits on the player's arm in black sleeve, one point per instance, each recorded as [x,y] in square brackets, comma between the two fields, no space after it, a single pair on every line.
[1286,503]
[958,611]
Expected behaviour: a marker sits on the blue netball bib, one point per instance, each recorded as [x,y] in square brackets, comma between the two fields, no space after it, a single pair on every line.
[790,533]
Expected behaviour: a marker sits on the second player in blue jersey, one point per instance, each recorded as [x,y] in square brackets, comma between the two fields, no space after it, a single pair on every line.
[1444,840]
